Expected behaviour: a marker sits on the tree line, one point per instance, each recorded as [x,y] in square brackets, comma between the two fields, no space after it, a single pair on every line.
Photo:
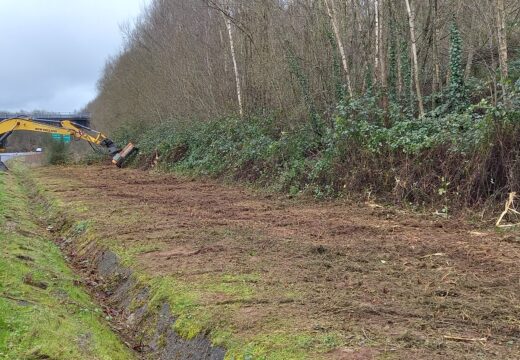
[203,59]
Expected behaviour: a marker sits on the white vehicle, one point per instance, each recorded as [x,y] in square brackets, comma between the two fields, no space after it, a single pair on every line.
[39,150]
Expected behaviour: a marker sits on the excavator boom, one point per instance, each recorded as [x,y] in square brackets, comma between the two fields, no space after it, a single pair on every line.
[65,127]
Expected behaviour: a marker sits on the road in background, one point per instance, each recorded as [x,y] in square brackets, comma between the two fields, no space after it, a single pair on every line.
[30,158]
[7,156]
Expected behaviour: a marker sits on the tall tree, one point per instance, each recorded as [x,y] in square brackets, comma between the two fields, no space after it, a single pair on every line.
[502,38]
[435,39]
[227,20]
[411,22]
[457,89]
[331,12]
[377,38]
[382,56]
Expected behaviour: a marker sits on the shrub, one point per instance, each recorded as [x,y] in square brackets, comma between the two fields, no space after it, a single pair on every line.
[471,155]
[57,152]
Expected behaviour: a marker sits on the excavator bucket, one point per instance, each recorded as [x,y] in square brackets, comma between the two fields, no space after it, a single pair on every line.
[124,154]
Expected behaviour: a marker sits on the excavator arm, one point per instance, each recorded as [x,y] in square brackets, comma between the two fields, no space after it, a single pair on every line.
[65,127]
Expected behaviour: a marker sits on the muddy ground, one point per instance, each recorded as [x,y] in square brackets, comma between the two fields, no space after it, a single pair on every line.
[360,281]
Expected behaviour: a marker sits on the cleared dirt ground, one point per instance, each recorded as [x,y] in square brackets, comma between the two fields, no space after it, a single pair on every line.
[367,281]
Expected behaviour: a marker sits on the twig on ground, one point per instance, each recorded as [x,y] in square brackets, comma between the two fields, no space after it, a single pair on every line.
[5,296]
[432,255]
[465,339]
[365,334]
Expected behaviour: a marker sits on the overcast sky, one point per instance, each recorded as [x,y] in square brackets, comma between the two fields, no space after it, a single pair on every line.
[52,52]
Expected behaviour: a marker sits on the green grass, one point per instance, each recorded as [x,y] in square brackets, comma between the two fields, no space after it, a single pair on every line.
[56,320]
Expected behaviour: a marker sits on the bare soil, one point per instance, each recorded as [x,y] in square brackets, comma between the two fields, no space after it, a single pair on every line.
[388,283]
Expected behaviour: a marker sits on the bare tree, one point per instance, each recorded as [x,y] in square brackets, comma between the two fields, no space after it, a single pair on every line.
[201,60]
[411,20]
[437,84]
[377,37]
[235,66]
[382,55]
[332,15]
[502,38]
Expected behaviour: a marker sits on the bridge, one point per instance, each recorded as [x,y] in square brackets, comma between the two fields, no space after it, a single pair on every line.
[81,119]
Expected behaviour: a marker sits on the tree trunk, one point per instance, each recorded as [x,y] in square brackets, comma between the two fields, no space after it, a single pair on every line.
[399,74]
[469,63]
[502,39]
[332,15]
[411,19]
[437,85]
[235,66]
[377,38]
[492,70]
[362,50]
[382,58]
[208,63]
[471,50]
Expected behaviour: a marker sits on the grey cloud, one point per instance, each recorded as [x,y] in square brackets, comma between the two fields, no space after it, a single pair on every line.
[53,51]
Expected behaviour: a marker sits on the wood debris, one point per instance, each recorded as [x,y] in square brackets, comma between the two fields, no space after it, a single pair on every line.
[464,339]
[508,208]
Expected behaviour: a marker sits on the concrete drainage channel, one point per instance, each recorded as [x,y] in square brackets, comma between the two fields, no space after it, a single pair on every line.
[152,330]
[148,330]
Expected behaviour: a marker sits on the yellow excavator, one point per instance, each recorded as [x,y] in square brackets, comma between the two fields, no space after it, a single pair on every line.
[65,127]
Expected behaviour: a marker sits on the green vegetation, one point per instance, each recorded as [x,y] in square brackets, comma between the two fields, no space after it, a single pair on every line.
[186,299]
[457,91]
[277,341]
[57,152]
[43,313]
[386,138]
[410,160]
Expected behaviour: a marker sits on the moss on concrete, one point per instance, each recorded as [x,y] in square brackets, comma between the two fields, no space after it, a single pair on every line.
[43,313]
